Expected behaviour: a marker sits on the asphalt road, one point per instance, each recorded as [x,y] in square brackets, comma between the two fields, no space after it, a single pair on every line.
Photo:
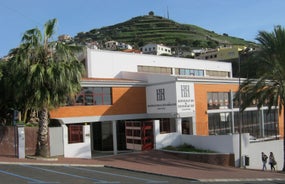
[66,174]
[30,174]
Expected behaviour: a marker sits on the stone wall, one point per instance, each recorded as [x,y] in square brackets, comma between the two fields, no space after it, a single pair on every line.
[9,141]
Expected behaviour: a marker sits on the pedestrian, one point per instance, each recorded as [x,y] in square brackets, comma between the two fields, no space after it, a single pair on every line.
[272,161]
[264,158]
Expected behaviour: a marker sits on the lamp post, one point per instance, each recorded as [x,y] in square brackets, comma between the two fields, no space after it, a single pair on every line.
[241,52]
[239,112]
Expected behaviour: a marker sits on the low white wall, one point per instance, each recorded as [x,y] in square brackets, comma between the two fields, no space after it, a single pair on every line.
[218,143]
[228,144]
[254,152]
[170,139]
[78,150]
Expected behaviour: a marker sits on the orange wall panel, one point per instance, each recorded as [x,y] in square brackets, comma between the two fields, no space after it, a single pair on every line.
[201,91]
[126,100]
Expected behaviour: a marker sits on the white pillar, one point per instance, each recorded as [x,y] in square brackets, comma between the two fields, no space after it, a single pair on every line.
[178,125]
[21,141]
[87,143]
[156,132]
[115,144]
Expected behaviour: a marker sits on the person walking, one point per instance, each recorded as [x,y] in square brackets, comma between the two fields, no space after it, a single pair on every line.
[264,158]
[272,161]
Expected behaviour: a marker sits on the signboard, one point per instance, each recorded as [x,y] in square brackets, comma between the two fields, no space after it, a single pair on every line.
[174,97]
[185,97]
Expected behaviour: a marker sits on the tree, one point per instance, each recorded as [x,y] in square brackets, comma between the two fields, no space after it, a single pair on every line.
[46,73]
[269,87]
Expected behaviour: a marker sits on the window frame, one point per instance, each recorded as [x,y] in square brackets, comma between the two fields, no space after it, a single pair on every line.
[75,133]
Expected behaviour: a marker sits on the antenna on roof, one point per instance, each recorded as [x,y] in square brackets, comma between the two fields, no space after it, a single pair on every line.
[167,13]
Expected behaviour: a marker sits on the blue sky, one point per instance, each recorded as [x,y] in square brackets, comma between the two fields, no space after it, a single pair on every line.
[243,18]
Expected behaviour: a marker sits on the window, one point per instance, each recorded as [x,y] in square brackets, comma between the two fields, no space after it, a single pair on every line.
[271,123]
[219,123]
[75,134]
[187,126]
[155,69]
[218,100]
[254,122]
[213,73]
[164,126]
[189,72]
[94,96]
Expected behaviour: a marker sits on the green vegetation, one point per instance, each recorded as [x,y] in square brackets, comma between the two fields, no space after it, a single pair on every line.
[141,30]
[269,86]
[187,148]
[38,76]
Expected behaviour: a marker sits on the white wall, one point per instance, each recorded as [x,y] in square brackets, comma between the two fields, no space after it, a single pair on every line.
[108,64]
[78,150]
[227,144]
[218,143]
[171,139]
[254,152]
[56,141]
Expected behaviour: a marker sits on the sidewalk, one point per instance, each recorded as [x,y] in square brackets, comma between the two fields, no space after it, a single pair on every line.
[159,162]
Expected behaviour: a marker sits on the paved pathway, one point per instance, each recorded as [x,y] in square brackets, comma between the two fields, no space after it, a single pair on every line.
[162,163]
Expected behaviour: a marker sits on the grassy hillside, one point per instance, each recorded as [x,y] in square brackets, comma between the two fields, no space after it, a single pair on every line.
[141,30]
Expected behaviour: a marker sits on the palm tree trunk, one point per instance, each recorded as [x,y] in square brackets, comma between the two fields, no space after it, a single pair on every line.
[43,145]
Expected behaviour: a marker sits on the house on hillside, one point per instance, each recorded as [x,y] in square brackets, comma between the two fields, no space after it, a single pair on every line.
[228,53]
[141,102]
[156,49]
[114,45]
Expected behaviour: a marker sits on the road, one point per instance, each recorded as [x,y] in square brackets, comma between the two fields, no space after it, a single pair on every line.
[66,174]
[24,173]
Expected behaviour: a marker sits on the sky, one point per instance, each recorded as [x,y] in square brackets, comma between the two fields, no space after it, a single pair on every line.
[242,18]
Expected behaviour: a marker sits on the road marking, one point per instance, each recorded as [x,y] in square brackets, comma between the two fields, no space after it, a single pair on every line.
[125,176]
[31,180]
[67,174]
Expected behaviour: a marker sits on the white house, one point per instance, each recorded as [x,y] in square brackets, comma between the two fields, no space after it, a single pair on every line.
[114,45]
[156,49]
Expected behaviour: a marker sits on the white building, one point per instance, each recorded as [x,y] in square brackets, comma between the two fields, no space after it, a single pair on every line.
[156,49]
[114,45]
[180,100]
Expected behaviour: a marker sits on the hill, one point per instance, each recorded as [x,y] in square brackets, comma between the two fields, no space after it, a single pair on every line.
[141,30]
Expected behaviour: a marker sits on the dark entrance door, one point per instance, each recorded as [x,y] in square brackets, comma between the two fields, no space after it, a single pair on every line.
[103,136]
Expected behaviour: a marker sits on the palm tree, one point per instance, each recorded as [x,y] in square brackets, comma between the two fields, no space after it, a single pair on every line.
[46,73]
[269,87]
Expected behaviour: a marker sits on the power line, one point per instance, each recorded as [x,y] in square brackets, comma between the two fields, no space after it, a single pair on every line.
[21,14]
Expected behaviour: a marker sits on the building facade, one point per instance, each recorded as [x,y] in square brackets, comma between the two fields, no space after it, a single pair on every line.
[127,99]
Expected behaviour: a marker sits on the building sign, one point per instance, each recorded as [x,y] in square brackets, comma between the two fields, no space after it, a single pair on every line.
[185,97]
[170,98]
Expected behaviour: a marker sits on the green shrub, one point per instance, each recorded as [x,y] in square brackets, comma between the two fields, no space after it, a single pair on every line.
[187,148]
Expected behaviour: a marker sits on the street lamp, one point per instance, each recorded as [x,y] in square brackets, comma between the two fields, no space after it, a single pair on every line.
[239,111]
[240,52]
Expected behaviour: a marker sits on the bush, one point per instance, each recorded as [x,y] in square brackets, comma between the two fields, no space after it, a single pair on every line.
[187,148]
